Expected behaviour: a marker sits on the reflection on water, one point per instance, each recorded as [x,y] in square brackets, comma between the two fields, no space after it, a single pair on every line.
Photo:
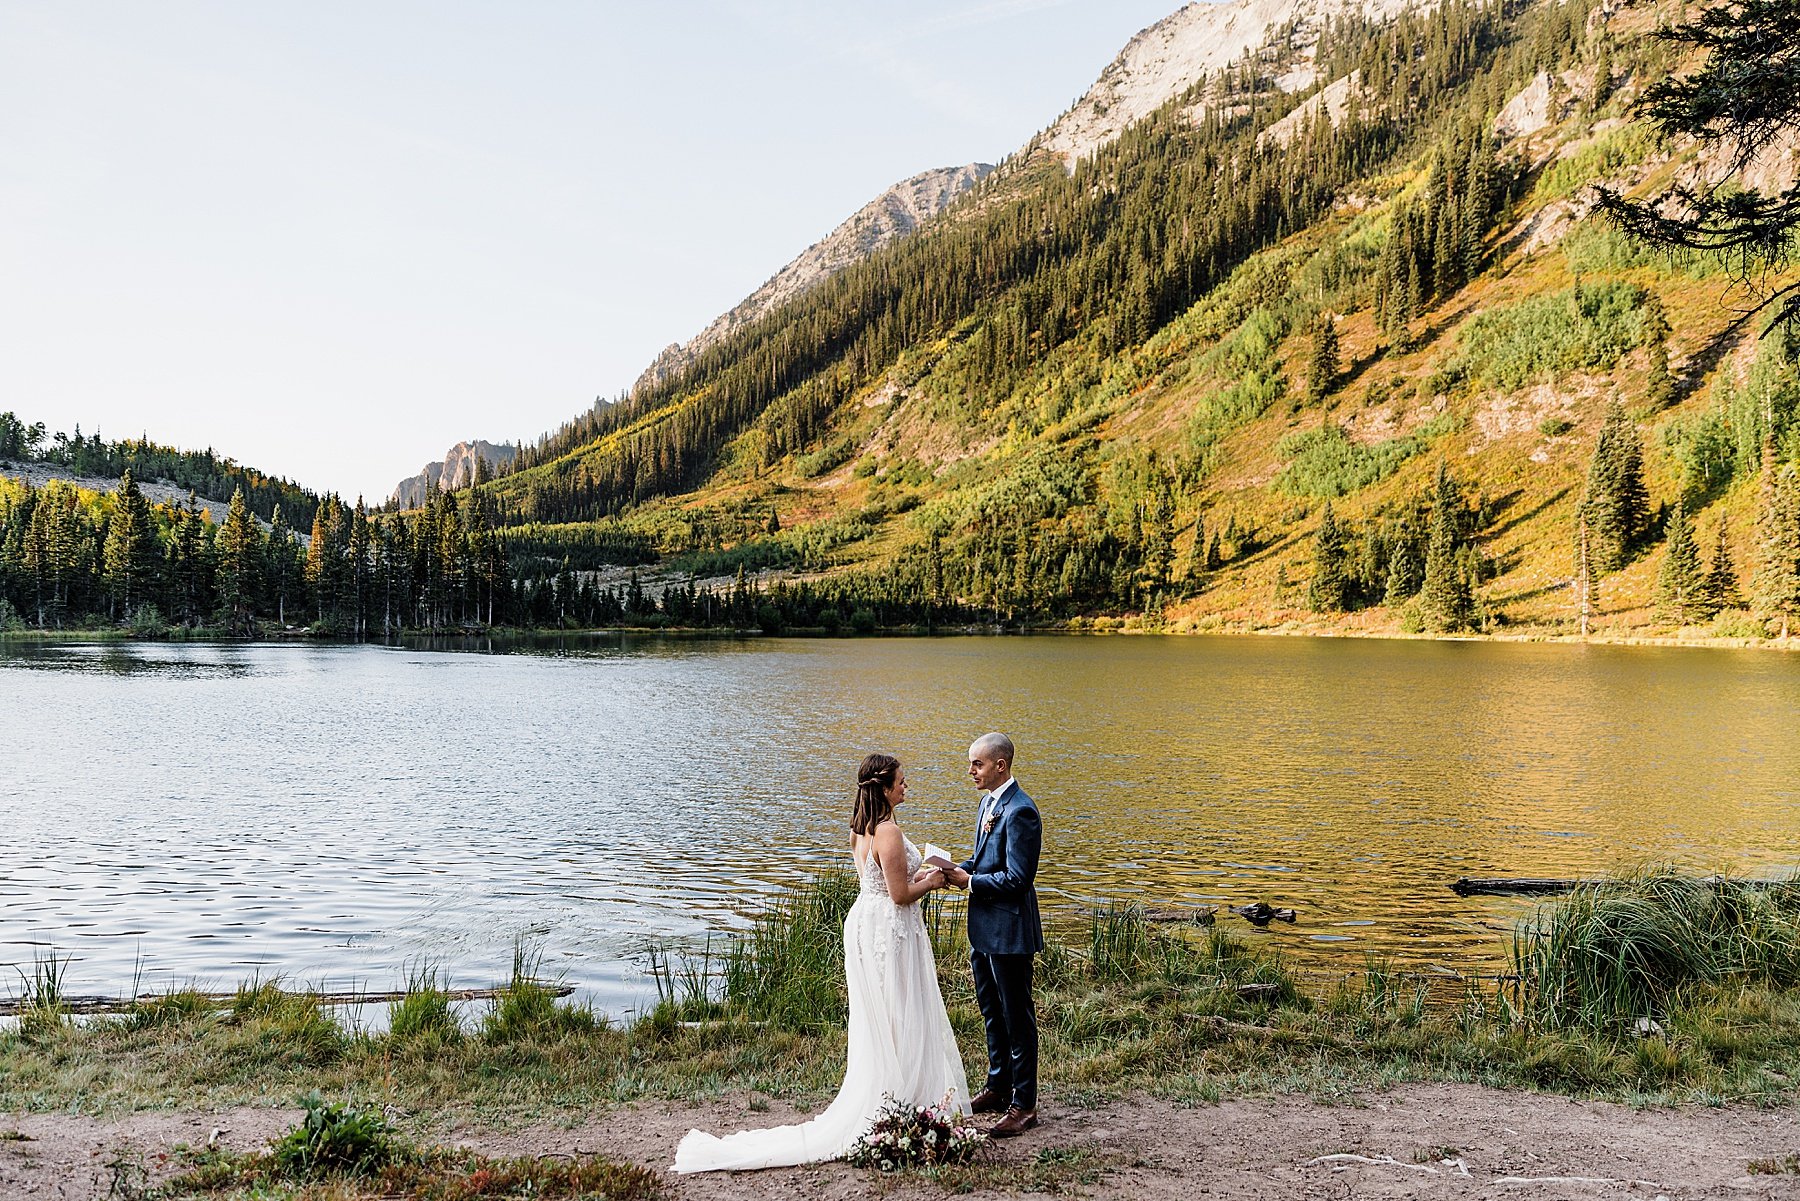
[335,813]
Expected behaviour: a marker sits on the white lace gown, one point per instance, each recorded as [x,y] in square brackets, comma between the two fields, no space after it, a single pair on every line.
[901,1046]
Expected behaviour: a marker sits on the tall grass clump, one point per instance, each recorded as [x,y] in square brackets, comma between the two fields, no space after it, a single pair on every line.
[788,968]
[173,1008]
[43,1007]
[287,1023]
[423,1017]
[527,1008]
[1627,949]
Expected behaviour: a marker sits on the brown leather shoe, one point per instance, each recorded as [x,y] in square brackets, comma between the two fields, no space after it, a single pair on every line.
[988,1101]
[1016,1122]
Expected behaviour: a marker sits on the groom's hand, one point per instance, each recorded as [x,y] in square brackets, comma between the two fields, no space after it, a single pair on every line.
[957,876]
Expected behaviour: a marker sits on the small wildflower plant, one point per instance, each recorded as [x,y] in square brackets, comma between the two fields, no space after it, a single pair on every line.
[916,1136]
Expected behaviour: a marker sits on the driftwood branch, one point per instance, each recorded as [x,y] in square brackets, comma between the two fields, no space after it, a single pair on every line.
[13,1006]
[1536,886]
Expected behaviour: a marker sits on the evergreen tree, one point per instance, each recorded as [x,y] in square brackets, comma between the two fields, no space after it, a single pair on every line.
[282,567]
[1775,587]
[1198,565]
[1746,96]
[1720,589]
[1679,584]
[1329,591]
[1659,385]
[1446,599]
[1616,503]
[131,552]
[240,556]
[1323,367]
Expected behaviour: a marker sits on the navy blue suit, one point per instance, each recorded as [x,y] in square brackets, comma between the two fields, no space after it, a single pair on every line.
[1005,932]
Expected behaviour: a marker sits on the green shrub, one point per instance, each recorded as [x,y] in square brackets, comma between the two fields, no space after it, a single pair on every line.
[1325,462]
[147,622]
[333,1139]
[1601,159]
[1587,327]
[833,454]
[1555,426]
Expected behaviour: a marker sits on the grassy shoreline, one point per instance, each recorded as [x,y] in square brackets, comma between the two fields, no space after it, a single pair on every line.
[1649,990]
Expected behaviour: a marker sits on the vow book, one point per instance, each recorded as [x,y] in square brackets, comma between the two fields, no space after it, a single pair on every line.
[936,856]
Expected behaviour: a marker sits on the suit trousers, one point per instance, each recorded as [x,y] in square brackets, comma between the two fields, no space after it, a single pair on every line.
[1003,990]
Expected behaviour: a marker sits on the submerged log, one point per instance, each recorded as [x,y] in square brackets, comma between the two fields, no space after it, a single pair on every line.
[1204,915]
[1513,886]
[13,1006]
[1532,886]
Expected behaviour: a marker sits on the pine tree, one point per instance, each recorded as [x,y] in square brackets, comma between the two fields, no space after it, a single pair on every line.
[1720,589]
[1679,582]
[129,557]
[1446,599]
[240,559]
[1659,385]
[1775,587]
[1197,557]
[1616,503]
[1323,367]
[1745,96]
[281,568]
[1329,591]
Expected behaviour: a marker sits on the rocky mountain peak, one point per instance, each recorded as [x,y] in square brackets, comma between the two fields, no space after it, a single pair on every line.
[894,214]
[456,471]
[1185,47]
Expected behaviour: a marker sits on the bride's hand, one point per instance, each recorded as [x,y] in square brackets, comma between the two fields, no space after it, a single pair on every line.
[927,873]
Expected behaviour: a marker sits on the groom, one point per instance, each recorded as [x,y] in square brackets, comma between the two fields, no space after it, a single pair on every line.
[1004,933]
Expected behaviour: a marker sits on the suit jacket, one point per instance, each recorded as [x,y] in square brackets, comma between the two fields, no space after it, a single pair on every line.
[1003,904]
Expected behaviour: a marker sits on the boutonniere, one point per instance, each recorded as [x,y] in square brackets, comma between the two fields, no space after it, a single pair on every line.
[987,827]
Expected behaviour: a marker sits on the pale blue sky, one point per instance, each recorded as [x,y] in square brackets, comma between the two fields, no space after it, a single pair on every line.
[330,238]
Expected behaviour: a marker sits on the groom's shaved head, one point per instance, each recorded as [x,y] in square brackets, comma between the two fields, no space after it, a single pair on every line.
[992,747]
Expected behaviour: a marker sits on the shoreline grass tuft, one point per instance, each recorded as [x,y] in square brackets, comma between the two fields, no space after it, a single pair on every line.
[1648,989]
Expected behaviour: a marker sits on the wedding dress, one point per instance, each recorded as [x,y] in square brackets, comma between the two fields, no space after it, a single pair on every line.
[901,1046]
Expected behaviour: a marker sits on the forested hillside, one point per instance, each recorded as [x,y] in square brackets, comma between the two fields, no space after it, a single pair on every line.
[1358,356]
[1337,356]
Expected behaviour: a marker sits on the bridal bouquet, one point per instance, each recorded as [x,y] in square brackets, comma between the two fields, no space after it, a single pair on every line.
[916,1135]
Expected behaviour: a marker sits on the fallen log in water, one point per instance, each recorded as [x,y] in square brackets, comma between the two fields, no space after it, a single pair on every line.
[1204,915]
[11,1006]
[1513,886]
[1532,886]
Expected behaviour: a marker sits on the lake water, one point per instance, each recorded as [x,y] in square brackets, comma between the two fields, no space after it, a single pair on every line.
[334,814]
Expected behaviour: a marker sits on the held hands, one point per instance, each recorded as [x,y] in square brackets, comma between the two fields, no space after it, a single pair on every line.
[957,877]
[932,877]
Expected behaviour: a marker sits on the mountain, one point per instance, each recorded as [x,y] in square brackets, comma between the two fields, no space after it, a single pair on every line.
[1195,43]
[1301,319]
[456,471]
[894,214]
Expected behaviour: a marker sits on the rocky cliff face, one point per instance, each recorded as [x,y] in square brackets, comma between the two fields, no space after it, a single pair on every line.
[457,469]
[1184,48]
[894,214]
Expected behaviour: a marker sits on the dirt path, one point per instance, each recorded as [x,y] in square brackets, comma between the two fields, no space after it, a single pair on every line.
[1418,1141]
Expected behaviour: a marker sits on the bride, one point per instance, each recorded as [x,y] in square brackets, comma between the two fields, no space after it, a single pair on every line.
[901,1046]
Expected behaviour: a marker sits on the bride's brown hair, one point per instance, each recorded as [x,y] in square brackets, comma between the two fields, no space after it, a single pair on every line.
[873,779]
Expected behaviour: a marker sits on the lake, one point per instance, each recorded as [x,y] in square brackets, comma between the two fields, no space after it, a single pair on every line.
[336,815]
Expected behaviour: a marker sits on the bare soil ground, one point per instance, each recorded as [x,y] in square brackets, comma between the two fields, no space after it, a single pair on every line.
[1415,1141]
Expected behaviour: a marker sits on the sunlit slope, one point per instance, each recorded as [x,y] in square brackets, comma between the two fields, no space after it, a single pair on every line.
[1031,406]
